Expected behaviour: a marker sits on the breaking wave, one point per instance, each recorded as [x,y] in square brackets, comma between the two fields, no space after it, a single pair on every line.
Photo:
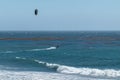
[83,71]
[91,72]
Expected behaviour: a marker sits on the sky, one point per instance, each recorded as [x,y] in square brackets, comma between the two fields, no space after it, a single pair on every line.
[59,15]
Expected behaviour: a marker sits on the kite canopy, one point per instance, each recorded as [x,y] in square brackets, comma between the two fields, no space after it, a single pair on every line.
[36,12]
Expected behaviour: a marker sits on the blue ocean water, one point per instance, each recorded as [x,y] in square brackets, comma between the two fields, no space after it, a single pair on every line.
[94,54]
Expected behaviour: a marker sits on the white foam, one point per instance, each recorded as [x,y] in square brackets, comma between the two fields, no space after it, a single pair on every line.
[30,75]
[110,73]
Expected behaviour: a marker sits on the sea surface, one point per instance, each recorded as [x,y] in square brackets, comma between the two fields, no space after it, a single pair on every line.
[59,55]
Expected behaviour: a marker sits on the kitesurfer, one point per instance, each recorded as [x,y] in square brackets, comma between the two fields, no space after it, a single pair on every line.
[57,46]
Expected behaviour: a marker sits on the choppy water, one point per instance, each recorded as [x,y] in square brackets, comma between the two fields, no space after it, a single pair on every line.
[71,55]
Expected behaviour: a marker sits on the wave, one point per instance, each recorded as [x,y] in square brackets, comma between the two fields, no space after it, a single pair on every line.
[91,72]
[110,73]
[50,48]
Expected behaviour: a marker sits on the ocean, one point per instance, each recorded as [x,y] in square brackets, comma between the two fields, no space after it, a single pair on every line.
[59,55]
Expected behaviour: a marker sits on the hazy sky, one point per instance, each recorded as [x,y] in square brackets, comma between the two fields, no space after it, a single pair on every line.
[60,15]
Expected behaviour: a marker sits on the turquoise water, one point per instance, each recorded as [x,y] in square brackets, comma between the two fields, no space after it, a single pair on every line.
[88,54]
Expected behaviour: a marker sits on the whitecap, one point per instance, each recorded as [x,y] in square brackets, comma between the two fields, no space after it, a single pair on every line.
[50,48]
